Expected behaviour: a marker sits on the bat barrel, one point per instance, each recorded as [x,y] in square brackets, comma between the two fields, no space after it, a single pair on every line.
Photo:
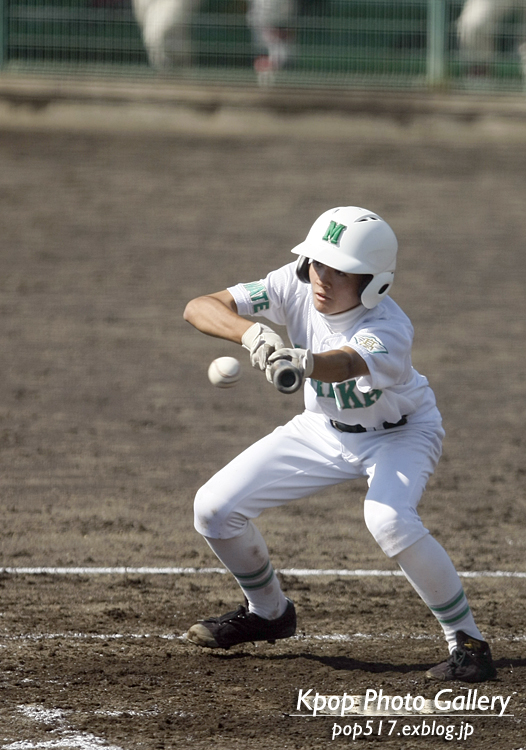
[285,377]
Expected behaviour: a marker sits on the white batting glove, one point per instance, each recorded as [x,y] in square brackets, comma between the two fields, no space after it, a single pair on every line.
[261,341]
[301,359]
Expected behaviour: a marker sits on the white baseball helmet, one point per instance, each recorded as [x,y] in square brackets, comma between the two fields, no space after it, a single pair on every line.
[352,240]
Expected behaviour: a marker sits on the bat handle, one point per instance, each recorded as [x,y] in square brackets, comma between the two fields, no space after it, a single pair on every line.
[285,377]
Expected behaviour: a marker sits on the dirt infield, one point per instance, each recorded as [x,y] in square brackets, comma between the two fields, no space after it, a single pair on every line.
[108,426]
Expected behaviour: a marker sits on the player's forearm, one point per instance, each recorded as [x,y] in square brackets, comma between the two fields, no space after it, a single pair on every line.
[213,316]
[338,365]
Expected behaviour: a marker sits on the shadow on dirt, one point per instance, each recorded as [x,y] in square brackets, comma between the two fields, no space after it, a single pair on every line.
[338,663]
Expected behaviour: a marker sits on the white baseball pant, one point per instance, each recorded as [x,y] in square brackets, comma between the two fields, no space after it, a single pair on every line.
[307,455]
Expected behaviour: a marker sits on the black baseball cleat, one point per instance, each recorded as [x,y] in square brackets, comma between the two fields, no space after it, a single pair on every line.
[242,626]
[470,662]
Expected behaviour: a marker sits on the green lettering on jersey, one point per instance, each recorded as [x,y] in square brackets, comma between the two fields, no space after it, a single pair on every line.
[258,296]
[348,398]
[371,397]
[347,395]
[333,232]
[320,387]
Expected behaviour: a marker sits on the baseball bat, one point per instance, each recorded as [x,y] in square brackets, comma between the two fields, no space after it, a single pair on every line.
[285,377]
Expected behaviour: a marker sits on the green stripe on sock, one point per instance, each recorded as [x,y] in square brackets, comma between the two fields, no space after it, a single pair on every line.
[456,618]
[250,576]
[450,605]
[260,585]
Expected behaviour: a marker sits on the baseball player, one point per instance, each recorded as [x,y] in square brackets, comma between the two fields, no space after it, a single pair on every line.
[368,413]
[477,26]
[165,27]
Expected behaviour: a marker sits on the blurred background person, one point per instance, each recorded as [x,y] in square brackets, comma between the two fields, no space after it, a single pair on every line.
[165,29]
[477,27]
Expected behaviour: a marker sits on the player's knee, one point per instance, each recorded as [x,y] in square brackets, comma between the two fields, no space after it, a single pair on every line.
[380,521]
[392,529]
[207,513]
[213,517]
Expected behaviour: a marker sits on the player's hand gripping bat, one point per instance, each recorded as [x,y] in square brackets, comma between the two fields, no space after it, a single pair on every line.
[288,368]
[261,341]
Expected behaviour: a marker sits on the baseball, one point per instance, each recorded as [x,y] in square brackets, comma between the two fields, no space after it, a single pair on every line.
[224,372]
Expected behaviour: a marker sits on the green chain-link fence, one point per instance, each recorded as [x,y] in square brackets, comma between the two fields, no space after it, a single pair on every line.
[337,42]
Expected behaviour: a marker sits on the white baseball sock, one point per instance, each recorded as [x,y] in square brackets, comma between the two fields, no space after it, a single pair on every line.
[246,557]
[429,570]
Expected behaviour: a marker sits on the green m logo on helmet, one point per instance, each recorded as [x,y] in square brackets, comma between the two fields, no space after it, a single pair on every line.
[334,232]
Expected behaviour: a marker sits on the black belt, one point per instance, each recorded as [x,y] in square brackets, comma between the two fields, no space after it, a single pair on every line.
[342,427]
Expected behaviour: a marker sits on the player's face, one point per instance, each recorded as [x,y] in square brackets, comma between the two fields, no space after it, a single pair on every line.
[333,291]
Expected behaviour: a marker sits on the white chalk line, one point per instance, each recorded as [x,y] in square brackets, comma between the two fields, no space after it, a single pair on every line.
[6,638]
[301,572]
[54,721]
[339,637]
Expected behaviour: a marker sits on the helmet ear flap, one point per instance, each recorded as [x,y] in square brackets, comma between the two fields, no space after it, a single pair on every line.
[373,290]
[377,289]
[302,269]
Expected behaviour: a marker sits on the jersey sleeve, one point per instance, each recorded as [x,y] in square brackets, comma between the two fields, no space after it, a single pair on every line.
[387,353]
[272,297]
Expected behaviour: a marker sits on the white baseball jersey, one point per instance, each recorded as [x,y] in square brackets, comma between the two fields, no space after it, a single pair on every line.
[382,337]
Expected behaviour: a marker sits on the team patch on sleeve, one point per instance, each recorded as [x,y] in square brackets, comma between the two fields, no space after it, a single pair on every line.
[258,296]
[369,342]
